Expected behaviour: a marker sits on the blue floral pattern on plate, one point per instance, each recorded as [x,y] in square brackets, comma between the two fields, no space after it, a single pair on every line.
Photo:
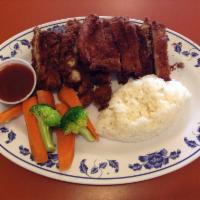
[57,28]
[194,142]
[191,53]
[24,151]
[155,160]
[52,157]
[52,161]
[11,136]
[98,168]
[149,161]
[15,48]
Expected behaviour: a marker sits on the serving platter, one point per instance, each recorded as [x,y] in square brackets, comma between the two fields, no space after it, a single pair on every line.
[109,162]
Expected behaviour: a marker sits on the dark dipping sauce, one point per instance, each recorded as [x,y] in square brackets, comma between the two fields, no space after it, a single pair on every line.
[16,81]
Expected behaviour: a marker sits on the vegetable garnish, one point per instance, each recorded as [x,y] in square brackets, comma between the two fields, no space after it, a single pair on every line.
[65,143]
[48,114]
[66,147]
[92,130]
[47,117]
[69,97]
[35,139]
[62,108]
[10,113]
[75,121]
[45,97]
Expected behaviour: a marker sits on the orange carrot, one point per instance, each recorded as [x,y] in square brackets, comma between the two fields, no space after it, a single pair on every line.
[45,97]
[92,130]
[35,140]
[10,113]
[69,97]
[65,143]
[62,108]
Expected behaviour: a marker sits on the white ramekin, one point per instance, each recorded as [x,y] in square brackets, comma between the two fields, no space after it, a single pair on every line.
[3,64]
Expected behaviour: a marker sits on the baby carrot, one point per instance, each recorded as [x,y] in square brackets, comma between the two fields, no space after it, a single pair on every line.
[65,143]
[35,140]
[45,97]
[69,96]
[10,113]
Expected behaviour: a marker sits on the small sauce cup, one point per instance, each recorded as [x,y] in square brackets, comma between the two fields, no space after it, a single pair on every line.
[17,80]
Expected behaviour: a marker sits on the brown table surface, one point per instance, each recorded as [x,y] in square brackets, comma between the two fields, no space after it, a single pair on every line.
[180,15]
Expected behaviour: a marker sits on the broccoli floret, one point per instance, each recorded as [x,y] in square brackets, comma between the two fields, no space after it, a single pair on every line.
[75,121]
[47,117]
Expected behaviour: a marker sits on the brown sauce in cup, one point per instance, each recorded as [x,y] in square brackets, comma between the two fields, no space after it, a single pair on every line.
[16,81]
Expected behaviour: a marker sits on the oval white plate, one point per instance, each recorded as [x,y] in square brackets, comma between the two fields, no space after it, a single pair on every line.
[109,162]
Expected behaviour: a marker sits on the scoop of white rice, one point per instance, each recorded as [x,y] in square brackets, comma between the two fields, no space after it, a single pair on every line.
[142,109]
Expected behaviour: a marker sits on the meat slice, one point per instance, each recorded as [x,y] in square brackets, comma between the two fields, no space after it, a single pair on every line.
[86,84]
[87,98]
[49,42]
[45,58]
[85,90]
[96,46]
[146,47]
[162,67]
[68,55]
[122,77]
[100,78]
[102,96]
[68,52]
[127,41]
[133,49]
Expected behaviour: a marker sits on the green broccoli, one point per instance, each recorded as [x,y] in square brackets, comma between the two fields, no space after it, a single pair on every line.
[75,121]
[47,117]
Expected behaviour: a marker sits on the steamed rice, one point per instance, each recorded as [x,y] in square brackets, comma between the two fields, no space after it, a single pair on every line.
[142,109]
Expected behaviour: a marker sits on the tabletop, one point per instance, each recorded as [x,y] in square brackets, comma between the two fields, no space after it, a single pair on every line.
[182,16]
